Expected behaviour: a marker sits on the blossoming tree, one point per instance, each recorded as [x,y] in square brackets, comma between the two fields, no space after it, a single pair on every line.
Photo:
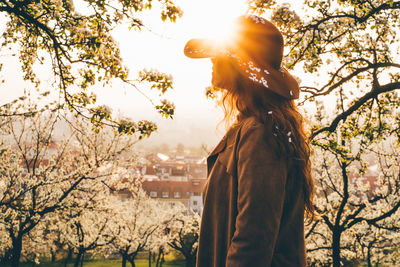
[140,220]
[41,178]
[184,235]
[356,169]
[347,53]
[73,39]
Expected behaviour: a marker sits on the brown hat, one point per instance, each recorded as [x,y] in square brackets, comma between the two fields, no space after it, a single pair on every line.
[257,47]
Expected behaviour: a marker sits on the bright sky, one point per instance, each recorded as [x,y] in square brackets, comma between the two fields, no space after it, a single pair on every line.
[162,49]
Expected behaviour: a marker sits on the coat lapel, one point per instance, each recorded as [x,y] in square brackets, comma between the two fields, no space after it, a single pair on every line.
[213,155]
[226,141]
[221,146]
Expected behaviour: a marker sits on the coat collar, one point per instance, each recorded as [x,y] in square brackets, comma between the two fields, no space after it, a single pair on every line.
[227,140]
[221,146]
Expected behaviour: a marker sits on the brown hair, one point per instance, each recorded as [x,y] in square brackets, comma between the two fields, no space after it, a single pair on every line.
[244,98]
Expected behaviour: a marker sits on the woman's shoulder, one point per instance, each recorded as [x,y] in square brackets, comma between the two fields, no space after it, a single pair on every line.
[254,126]
[256,138]
[259,134]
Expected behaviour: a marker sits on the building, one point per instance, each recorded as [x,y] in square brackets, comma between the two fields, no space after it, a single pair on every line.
[188,193]
[176,180]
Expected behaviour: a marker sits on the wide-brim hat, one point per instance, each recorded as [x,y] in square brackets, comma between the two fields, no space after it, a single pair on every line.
[257,47]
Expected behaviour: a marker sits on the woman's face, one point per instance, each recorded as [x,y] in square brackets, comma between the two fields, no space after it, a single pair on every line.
[223,75]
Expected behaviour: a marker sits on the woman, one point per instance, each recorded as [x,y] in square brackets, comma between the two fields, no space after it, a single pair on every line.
[259,184]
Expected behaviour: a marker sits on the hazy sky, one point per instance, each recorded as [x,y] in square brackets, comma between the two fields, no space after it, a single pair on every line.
[160,48]
[163,49]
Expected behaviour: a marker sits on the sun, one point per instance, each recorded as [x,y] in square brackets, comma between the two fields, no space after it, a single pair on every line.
[218,18]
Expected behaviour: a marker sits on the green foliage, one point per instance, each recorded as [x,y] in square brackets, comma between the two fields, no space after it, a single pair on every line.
[354,44]
[76,43]
[171,11]
[375,121]
[126,126]
[166,109]
[159,81]
[260,6]
[145,128]
[212,92]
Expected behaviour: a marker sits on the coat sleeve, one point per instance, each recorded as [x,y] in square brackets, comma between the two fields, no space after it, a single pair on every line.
[261,194]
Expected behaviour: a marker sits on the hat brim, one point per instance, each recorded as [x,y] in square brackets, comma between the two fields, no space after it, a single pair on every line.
[202,48]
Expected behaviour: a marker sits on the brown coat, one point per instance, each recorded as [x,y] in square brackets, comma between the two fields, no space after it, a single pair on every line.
[253,204]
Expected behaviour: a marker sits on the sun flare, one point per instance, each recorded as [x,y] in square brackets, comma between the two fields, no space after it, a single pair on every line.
[219,20]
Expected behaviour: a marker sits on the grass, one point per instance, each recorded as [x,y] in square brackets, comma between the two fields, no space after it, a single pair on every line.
[106,263]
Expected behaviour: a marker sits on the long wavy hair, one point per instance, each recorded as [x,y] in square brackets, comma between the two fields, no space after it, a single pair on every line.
[242,98]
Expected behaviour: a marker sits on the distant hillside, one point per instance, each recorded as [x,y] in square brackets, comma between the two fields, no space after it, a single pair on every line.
[187,131]
[190,132]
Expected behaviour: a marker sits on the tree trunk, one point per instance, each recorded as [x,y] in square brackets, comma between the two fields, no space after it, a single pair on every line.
[149,258]
[123,261]
[78,259]
[132,262]
[162,258]
[53,255]
[70,250]
[190,261]
[369,257]
[336,248]
[82,259]
[158,258]
[16,251]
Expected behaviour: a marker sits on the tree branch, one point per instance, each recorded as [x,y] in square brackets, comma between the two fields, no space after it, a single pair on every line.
[357,104]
